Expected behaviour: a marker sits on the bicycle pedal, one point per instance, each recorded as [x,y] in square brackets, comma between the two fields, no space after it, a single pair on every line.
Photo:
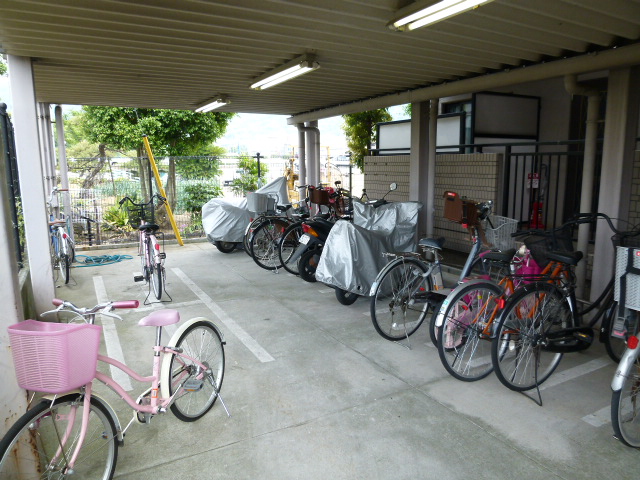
[138,278]
[193,385]
[162,255]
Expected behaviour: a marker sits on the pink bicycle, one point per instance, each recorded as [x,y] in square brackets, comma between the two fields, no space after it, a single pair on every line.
[74,432]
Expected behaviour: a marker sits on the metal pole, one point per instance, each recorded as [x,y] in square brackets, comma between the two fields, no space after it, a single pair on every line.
[257,157]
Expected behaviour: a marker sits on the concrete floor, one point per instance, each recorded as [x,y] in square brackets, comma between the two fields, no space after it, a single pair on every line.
[315,393]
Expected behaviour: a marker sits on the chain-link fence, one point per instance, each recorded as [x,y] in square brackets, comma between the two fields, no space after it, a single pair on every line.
[96,185]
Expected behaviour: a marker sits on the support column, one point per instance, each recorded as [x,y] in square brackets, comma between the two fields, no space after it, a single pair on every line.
[31,179]
[419,162]
[62,160]
[431,167]
[621,127]
[302,157]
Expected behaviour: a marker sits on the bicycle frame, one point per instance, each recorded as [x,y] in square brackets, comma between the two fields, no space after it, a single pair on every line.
[157,404]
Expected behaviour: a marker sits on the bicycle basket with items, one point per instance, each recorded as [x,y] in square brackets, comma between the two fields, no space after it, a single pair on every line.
[540,244]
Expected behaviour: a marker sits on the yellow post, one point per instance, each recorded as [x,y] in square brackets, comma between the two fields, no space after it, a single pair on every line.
[156,174]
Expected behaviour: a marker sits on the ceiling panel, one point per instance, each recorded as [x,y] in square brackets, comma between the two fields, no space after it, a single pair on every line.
[177,54]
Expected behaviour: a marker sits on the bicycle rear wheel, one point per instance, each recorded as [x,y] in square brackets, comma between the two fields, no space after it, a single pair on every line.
[157,280]
[464,339]
[197,391]
[36,442]
[518,352]
[399,303]
[625,408]
[64,263]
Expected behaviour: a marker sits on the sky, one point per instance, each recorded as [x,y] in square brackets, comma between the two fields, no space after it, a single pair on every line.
[253,133]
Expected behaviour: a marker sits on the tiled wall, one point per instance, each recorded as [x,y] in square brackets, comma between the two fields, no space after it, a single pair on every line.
[634,200]
[475,176]
[381,171]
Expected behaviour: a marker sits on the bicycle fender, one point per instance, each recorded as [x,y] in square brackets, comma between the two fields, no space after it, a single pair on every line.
[454,292]
[166,359]
[626,363]
[382,273]
[102,401]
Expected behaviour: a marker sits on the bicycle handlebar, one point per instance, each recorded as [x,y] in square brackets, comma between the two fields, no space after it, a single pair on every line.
[579,219]
[63,304]
[155,195]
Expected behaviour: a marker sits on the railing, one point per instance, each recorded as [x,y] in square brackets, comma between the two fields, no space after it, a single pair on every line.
[541,181]
[8,151]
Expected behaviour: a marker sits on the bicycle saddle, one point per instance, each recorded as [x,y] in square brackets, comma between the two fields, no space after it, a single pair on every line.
[432,242]
[570,258]
[160,318]
[149,226]
[505,256]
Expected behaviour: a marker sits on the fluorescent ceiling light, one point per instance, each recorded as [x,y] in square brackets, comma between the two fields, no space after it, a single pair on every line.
[213,104]
[435,12]
[296,67]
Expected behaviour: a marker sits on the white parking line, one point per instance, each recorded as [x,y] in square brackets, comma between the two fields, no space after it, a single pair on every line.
[248,341]
[599,418]
[111,339]
[583,369]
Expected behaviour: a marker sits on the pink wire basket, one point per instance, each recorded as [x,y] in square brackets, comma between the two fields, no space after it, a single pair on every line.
[54,357]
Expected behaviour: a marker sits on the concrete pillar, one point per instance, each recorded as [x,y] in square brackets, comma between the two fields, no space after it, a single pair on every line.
[62,159]
[302,156]
[419,162]
[31,180]
[621,129]
[431,167]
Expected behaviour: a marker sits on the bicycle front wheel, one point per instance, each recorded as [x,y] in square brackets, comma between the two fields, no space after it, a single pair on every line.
[399,300]
[616,346]
[625,408]
[518,353]
[464,339]
[42,441]
[197,389]
[265,244]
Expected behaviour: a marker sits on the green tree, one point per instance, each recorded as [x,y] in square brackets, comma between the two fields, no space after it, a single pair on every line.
[360,129]
[170,132]
[205,165]
[248,181]
[3,67]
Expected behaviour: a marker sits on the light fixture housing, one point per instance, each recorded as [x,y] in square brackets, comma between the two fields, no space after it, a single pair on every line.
[422,13]
[298,66]
[212,104]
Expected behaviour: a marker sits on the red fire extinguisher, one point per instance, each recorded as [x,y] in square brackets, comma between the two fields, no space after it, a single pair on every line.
[536,184]
[537,211]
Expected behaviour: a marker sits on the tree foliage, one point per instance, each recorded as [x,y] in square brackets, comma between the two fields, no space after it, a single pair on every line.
[170,132]
[248,180]
[3,66]
[360,129]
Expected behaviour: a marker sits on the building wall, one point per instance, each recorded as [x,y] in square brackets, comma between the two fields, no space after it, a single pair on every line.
[381,171]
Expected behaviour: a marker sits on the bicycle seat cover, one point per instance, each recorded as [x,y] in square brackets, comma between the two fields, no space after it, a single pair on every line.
[160,318]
